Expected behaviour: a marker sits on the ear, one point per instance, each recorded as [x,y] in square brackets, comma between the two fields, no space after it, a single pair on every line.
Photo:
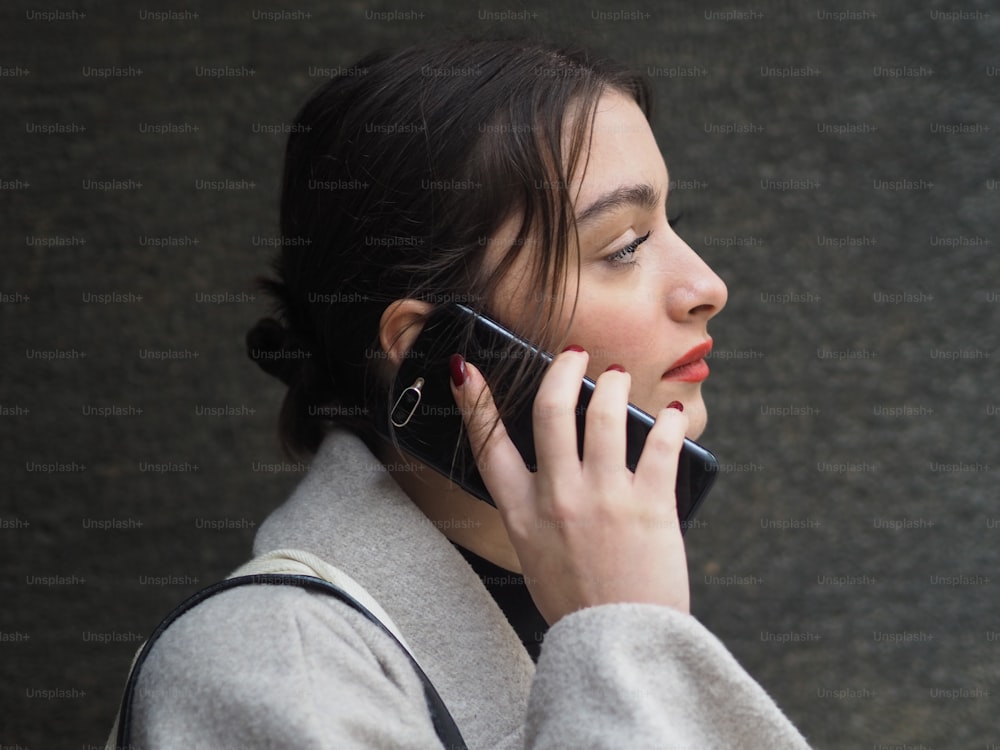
[400,325]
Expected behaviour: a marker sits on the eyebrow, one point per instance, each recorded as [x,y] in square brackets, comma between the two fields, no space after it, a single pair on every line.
[642,195]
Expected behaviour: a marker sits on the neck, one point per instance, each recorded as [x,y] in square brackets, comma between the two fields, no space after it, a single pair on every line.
[463,518]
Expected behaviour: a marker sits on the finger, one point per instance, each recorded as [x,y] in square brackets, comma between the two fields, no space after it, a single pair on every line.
[553,415]
[604,453]
[498,460]
[656,472]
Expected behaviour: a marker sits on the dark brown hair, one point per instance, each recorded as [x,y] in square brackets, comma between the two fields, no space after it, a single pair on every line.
[398,173]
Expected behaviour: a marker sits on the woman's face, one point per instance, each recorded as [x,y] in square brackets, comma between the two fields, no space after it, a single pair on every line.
[643,303]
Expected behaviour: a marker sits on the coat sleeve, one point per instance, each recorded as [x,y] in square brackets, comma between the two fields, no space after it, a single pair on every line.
[257,667]
[647,676]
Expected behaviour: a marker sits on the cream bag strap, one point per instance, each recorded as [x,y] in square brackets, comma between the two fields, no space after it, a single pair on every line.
[302,569]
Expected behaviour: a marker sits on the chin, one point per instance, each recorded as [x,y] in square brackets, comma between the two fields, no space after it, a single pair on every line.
[697,419]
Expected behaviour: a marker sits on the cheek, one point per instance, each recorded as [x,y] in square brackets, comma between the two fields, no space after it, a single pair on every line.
[613,332]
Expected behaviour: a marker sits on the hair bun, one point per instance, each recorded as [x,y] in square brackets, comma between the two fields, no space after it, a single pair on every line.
[269,345]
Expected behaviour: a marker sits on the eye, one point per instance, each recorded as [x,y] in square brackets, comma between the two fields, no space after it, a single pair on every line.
[626,256]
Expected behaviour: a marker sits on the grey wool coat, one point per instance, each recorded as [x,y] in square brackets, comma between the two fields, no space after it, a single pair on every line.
[281,667]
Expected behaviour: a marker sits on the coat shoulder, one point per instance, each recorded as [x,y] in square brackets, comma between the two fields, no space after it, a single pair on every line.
[278,662]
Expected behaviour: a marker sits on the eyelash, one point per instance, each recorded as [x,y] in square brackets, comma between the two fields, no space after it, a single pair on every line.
[618,258]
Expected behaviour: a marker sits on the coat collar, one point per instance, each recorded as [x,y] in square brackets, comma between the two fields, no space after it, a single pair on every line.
[349,511]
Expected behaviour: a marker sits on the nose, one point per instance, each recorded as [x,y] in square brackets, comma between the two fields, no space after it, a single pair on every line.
[699,294]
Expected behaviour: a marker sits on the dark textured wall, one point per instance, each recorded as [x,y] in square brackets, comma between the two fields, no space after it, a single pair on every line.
[839,168]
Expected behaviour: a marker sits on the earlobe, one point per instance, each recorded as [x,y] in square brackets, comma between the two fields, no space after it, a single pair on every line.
[400,325]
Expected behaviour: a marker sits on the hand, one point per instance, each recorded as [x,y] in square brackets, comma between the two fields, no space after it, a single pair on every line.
[586,532]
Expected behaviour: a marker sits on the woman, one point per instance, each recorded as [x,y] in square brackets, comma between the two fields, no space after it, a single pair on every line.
[526,182]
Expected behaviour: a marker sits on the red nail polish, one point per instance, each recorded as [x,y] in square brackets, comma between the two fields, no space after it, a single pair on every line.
[457,366]
[573,348]
[676,405]
[616,368]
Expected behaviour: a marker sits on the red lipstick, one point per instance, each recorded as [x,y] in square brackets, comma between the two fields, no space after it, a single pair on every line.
[692,367]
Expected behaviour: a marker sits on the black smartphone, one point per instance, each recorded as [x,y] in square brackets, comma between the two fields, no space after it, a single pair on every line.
[422,417]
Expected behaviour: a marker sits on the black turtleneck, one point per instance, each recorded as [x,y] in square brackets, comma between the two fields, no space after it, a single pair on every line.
[512,597]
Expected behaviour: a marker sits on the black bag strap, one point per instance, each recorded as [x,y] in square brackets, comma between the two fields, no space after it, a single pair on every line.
[444,724]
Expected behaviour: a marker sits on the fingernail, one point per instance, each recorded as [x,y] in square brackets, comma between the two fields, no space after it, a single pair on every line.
[573,348]
[616,368]
[457,366]
[676,405]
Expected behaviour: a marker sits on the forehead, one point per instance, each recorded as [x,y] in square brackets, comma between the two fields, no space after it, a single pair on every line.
[622,150]
[619,151]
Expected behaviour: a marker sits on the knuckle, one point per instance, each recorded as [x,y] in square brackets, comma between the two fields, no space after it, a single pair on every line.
[602,416]
[561,514]
[548,405]
[562,501]
[664,441]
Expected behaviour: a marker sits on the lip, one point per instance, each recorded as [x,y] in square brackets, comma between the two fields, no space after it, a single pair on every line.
[692,367]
